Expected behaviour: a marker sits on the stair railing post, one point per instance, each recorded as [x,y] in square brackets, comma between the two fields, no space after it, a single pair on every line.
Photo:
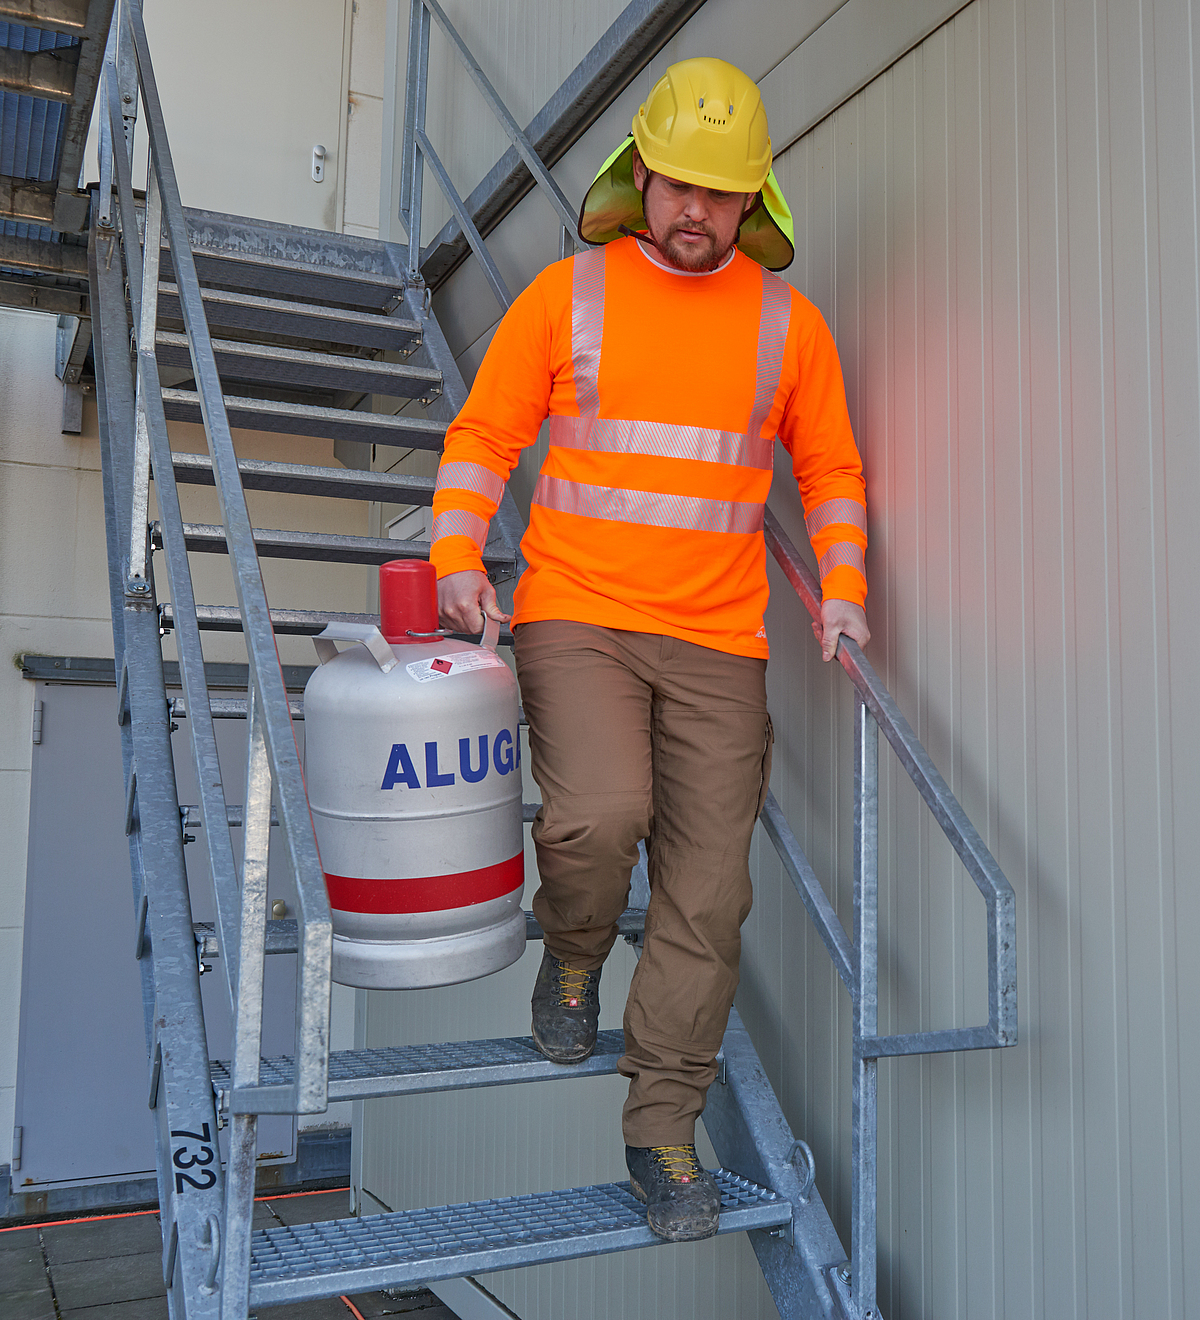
[127,79]
[137,578]
[104,151]
[247,1032]
[416,93]
[864,1138]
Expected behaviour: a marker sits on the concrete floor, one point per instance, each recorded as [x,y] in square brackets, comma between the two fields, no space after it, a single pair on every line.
[110,1268]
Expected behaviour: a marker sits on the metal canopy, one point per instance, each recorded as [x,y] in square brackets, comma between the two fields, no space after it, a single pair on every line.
[51,53]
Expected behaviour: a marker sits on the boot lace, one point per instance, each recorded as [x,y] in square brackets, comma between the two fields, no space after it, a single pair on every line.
[572,985]
[679,1163]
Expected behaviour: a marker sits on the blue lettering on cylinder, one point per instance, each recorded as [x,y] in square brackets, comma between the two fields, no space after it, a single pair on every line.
[400,769]
[464,759]
[502,753]
[433,777]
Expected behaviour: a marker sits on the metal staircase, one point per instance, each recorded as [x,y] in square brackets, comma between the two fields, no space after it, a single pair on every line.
[241,323]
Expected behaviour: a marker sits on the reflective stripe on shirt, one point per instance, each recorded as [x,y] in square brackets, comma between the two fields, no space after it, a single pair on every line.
[648,507]
[701,444]
[458,522]
[842,552]
[836,511]
[473,477]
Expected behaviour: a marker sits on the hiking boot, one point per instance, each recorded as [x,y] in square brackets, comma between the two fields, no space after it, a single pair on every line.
[566,1008]
[682,1198]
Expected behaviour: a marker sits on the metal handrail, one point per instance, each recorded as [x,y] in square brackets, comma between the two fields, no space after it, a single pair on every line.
[236,907]
[857,960]
[947,811]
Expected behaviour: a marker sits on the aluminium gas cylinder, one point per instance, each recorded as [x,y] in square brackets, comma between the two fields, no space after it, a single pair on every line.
[412,764]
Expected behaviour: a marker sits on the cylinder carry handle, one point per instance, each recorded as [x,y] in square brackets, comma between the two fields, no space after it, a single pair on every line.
[491,632]
[365,633]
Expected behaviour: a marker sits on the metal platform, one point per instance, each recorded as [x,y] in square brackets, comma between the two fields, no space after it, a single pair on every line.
[293,1264]
[457,1066]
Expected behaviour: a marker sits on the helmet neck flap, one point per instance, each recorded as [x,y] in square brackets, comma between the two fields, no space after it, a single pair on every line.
[613,207]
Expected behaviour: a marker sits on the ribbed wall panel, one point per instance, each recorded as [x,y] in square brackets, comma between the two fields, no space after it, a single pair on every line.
[1002,231]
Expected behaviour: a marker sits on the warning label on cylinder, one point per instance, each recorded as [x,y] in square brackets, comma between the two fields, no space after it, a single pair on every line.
[461,662]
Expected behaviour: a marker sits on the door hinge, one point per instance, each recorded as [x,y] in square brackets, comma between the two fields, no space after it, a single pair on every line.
[37,723]
[18,1141]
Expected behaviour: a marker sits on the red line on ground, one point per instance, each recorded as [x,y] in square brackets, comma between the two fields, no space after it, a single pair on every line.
[131,1214]
[321,1191]
[89,1219]
[353,1309]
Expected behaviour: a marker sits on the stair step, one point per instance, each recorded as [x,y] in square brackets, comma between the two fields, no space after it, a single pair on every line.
[457,1066]
[228,310]
[297,1262]
[282,932]
[331,547]
[302,368]
[296,623]
[309,419]
[228,618]
[303,479]
[306,280]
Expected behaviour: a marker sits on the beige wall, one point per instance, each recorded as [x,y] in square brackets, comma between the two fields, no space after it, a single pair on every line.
[1001,231]
[246,94]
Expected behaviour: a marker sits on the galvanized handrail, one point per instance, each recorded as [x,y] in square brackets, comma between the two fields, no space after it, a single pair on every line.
[236,905]
[417,150]
[857,961]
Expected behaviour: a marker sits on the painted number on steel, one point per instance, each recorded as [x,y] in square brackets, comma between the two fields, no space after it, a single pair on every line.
[184,1159]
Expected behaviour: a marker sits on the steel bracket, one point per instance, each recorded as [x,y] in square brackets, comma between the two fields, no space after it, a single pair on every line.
[139,943]
[155,1077]
[840,1287]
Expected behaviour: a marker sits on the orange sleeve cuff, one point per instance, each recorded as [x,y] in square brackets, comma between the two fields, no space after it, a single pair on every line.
[455,554]
[844,583]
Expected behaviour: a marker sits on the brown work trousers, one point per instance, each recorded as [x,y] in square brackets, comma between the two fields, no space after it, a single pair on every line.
[637,736]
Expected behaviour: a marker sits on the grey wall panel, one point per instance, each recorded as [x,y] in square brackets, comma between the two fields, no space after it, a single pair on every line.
[1002,231]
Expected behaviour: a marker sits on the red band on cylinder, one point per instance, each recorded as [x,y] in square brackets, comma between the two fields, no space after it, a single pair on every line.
[431,893]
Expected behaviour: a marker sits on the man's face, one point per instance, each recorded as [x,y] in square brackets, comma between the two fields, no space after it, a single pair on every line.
[694,227]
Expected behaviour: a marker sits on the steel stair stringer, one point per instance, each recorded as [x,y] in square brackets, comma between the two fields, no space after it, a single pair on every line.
[749,1133]
[185,1117]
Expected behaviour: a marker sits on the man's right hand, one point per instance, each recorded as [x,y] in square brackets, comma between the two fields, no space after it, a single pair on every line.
[464,598]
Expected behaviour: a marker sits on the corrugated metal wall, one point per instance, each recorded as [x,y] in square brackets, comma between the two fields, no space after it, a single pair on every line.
[1002,231]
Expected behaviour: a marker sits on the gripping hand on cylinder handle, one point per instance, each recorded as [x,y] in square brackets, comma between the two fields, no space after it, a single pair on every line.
[463,600]
[838,617]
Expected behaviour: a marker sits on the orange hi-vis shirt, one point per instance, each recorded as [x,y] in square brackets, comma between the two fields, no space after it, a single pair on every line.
[664,392]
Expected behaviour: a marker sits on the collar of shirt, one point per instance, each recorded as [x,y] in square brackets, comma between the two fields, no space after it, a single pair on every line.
[651,256]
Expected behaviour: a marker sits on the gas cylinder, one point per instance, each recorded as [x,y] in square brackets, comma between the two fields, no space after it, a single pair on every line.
[412,764]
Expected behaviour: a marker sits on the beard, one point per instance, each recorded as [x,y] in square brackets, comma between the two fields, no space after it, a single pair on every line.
[693,256]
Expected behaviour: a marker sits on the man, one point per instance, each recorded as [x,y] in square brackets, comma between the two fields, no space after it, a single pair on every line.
[667,362]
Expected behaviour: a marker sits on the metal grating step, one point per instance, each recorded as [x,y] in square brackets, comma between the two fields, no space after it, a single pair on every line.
[457,1066]
[297,623]
[307,280]
[309,419]
[296,1263]
[329,546]
[273,364]
[303,479]
[229,310]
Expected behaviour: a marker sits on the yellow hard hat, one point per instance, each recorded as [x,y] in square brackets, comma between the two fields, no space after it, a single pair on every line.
[704,123]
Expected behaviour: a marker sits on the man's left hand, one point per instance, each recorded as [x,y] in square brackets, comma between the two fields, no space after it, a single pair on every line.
[838,617]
